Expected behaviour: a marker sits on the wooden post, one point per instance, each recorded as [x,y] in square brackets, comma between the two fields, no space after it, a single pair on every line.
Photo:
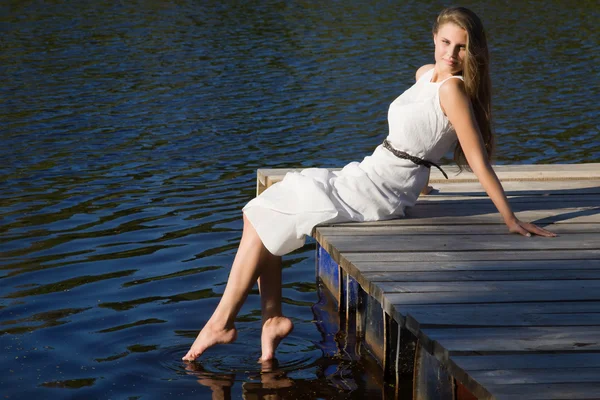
[352,288]
[329,273]
[374,330]
[431,380]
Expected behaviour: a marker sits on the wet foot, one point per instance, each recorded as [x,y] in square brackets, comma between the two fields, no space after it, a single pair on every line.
[273,331]
[207,338]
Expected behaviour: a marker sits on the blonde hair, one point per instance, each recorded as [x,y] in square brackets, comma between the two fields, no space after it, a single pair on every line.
[476,74]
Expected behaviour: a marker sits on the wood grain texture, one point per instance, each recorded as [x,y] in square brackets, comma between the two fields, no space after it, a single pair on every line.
[537,376]
[507,173]
[462,242]
[351,229]
[527,361]
[460,297]
[516,339]
[547,391]
[568,273]
[376,258]
[502,314]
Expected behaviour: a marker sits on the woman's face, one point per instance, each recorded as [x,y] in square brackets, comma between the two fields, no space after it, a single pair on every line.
[450,48]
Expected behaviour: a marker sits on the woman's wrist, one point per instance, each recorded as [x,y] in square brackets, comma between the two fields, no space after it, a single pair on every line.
[510,219]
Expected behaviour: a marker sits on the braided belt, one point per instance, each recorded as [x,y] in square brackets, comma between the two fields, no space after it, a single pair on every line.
[419,161]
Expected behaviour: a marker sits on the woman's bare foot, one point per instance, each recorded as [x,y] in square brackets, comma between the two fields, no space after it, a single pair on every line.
[208,337]
[273,331]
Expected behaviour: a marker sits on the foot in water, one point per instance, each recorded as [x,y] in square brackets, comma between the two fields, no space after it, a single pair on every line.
[208,337]
[273,331]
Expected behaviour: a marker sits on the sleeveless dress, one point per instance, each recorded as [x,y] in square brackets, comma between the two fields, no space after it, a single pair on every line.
[379,187]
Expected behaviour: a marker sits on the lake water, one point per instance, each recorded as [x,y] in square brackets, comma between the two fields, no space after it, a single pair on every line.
[131,132]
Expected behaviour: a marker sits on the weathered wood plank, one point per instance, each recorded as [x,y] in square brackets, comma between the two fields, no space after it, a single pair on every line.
[373,259]
[547,391]
[489,229]
[525,361]
[474,364]
[407,293]
[534,376]
[506,266]
[355,264]
[451,193]
[517,201]
[501,314]
[396,243]
[535,172]
[366,273]
[458,297]
[579,187]
[494,275]
[516,339]
[526,179]
[492,287]
[431,379]
[446,262]
[486,214]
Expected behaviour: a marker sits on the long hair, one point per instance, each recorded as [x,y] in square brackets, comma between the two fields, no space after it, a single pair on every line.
[476,74]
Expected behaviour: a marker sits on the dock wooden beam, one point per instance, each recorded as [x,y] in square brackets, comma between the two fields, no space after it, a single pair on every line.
[447,296]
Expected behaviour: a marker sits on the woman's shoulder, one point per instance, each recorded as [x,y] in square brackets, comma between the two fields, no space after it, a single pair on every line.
[453,93]
[452,87]
[425,68]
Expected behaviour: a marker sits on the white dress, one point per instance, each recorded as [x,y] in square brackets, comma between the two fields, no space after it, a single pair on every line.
[379,187]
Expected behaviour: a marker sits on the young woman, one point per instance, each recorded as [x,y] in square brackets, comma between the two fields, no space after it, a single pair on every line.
[450,101]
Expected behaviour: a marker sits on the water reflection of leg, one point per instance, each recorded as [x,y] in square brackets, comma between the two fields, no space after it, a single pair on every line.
[338,347]
[220,384]
[327,321]
[250,260]
[272,377]
[275,325]
[273,383]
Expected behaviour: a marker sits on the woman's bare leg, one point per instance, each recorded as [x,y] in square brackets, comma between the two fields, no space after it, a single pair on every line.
[275,325]
[246,269]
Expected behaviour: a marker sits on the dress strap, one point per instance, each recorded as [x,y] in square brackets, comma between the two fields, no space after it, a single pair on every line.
[452,76]
[419,161]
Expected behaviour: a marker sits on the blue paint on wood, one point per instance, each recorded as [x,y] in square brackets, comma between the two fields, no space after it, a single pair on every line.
[337,345]
[348,319]
[372,323]
[432,380]
[327,321]
[329,272]
[343,283]
[352,287]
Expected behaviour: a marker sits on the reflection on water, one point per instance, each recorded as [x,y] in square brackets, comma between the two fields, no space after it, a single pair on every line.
[334,367]
[131,133]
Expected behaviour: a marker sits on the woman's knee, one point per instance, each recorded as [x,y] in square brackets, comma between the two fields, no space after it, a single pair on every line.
[249,230]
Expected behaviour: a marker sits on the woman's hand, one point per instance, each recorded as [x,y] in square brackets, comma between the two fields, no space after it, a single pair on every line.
[427,189]
[527,228]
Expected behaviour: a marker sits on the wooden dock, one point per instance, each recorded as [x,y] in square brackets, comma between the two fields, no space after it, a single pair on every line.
[448,298]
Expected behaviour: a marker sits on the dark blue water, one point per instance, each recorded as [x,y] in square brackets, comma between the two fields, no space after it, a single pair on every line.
[131,132]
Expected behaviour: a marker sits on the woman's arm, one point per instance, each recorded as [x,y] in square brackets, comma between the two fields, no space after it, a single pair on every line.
[456,105]
[426,189]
